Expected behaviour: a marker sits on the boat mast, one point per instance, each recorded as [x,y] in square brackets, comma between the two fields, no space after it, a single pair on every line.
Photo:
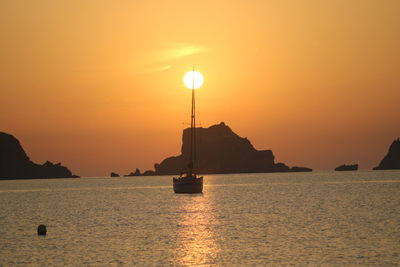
[192,130]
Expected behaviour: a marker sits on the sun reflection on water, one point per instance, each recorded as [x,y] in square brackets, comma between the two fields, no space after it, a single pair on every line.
[195,232]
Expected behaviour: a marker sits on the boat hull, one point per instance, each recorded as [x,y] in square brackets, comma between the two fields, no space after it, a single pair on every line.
[188,185]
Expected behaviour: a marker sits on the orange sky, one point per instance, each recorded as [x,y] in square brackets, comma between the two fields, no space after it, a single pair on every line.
[98,84]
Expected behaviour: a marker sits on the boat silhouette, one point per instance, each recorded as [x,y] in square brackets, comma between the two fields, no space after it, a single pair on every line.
[189,182]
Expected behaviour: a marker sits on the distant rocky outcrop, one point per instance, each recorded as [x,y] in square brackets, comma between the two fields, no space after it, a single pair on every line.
[15,164]
[300,169]
[136,173]
[344,167]
[220,150]
[392,159]
[113,174]
[149,173]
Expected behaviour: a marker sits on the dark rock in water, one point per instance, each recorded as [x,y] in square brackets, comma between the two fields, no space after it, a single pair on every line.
[136,173]
[15,164]
[149,173]
[41,230]
[220,150]
[281,167]
[300,169]
[392,159]
[345,167]
[113,174]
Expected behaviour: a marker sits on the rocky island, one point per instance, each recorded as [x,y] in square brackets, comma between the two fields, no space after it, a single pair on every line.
[220,150]
[138,173]
[15,164]
[344,167]
[392,159]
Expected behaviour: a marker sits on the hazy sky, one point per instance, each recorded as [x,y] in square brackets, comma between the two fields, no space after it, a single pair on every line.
[98,85]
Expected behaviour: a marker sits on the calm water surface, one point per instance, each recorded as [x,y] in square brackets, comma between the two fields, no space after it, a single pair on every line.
[319,218]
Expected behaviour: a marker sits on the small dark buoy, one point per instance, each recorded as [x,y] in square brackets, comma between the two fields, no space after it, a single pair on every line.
[41,230]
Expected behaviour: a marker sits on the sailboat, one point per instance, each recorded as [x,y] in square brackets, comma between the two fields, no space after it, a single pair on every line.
[189,182]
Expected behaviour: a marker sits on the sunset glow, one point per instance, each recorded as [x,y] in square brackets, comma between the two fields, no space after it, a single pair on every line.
[104,81]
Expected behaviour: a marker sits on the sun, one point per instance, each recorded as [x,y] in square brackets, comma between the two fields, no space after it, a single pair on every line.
[193,79]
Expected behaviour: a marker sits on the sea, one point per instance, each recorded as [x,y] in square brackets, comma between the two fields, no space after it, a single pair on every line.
[321,218]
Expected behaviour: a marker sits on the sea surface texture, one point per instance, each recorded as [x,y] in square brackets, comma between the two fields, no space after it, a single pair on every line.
[318,218]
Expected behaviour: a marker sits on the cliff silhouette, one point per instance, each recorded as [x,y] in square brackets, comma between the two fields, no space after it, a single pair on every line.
[220,150]
[392,159]
[15,164]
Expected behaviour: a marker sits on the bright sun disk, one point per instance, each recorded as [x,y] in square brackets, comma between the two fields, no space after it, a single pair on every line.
[193,79]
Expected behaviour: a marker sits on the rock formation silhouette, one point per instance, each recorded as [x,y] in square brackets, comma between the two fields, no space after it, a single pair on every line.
[220,150]
[300,169]
[149,173]
[344,167]
[113,174]
[15,164]
[392,159]
[136,173]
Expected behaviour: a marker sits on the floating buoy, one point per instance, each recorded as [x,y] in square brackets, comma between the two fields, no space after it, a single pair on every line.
[41,230]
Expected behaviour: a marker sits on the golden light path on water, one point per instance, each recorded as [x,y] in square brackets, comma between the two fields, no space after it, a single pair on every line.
[279,219]
[196,234]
